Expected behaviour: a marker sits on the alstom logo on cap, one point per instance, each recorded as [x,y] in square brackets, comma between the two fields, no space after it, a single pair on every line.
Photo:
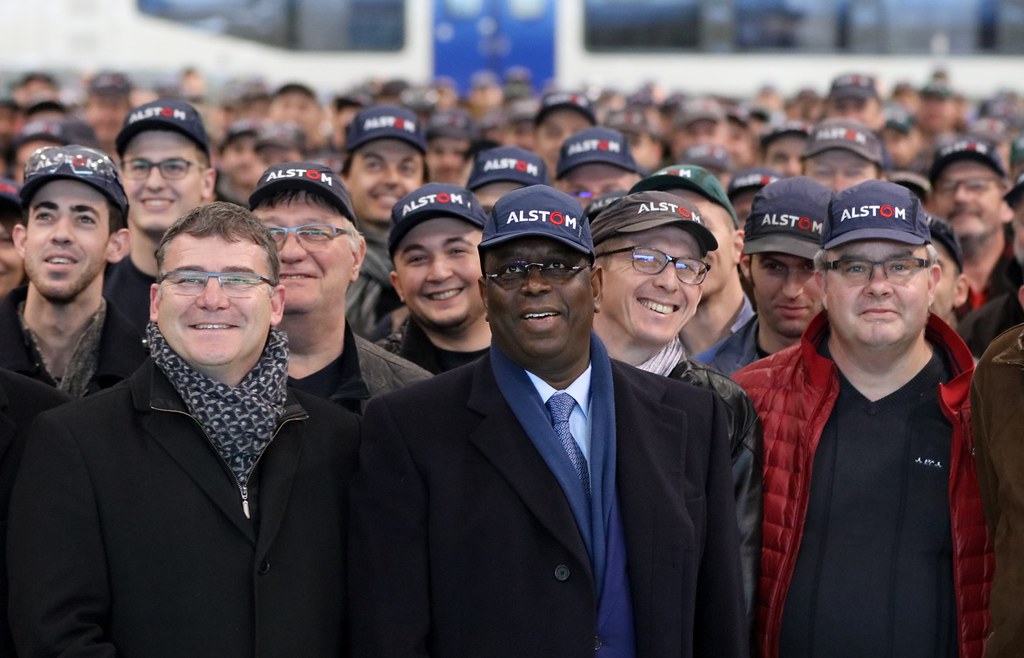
[389,121]
[498,164]
[549,216]
[427,199]
[160,111]
[885,211]
[311,174]
[588,145]
[964,145]
[667,206]
[843,134]
[792,221]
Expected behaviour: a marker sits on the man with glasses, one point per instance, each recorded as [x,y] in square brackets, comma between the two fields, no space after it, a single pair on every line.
[310,216]
[874,538]
[545,500]
[969,182]
[781,237]
[201,508]
[165,162]
[60,329]
[652,246]
[593,162]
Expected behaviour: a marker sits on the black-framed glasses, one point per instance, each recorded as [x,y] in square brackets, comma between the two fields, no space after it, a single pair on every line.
[191,283]
[974,186]
[310,236]
[77,160]
[653,261]
[859,270]
[170,169]
[513,275]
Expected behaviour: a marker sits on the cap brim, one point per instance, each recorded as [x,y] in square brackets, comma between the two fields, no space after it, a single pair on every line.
[705,238]
[399,231]
[29,189]
[412,140]
[1013,196]
[782,244]
[531,233]
[840,146]
[874,234]
[266,191]
[589,114]
[128,132]
[942,163]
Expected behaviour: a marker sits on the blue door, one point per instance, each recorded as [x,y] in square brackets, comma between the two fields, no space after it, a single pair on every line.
[494,35]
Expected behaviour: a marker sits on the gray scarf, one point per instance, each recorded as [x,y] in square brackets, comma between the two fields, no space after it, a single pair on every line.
[240,420]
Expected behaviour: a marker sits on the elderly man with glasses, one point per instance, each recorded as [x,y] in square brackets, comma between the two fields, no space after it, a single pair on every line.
[874,538]
[545,500]
[201,508]
[309,214]
[165,162]
[60,328]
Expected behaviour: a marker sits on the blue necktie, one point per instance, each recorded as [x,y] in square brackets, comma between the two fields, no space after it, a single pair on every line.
[560,406]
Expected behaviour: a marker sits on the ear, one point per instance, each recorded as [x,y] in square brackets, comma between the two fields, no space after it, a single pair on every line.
[396,283]
[154,302]
[1020,296]
[597,286]
[961,289]
[934,276]
[745,265]
[18,235]
[737,243]
[482,286]
[208,184]
[118,244]
[358,255]
[819,277]
[277,305]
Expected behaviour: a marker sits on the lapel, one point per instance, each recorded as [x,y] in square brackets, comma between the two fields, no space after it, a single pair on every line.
[276,473]
[502,441]
[179,435]
[7,426]
[650,479]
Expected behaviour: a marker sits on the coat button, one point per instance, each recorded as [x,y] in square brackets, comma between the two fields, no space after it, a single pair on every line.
[264,568]
[562,573]
[597,643]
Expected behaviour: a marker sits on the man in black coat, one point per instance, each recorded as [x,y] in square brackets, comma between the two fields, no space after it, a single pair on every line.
[199,509]
[545,500]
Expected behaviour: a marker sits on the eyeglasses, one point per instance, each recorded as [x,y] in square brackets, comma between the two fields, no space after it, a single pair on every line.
[652,261]
[859,271]
[170,169]
[514,275]
[310,236]
[77,160]
[978,185]
[191,283]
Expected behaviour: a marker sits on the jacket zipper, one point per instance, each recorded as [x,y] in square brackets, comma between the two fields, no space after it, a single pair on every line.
[243,489]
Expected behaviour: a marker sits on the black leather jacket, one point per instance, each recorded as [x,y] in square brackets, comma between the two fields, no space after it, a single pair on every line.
[747,451]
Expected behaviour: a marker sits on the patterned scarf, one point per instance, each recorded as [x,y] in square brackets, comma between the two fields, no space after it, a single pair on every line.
[240,420]
[665,359]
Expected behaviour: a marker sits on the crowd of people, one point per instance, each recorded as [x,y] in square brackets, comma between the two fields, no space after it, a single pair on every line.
[510,374]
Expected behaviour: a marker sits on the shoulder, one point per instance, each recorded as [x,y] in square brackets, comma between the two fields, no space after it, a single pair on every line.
[667,390]
[383,371]
[26,397]
[321,410]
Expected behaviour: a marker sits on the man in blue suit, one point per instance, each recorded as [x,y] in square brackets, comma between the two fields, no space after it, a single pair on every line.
[545,500]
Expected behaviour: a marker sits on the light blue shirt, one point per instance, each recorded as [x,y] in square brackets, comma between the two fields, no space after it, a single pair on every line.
[579,419]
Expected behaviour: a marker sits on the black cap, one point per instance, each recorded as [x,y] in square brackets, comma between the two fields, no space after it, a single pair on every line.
[430,202]
[978,150]
[595,145]
[508,164]
[386,122]
[306,176]
[565,100]
[788,217]
[163,114]
[943,233]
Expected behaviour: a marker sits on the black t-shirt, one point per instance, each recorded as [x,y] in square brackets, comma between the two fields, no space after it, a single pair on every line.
[449,360]
[341,380]
[874,573]
[128,288]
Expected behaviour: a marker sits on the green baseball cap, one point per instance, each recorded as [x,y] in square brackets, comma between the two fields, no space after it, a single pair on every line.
[688,177]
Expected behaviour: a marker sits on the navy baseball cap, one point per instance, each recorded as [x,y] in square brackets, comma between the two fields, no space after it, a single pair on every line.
[1013,196]
[78,163]
[842,134]
[595,145]
[431,201]
[795,128]
[646,210]
[163,114]
[309,177]
[507,164]
[386,122]
[943,233]
[875,210]
[599,203]
[538,211]
[455,123]
[853,85]
[754,178]
[9,193]
[978,150]
[564,100]
[688,177]
[787,216]
[41,130]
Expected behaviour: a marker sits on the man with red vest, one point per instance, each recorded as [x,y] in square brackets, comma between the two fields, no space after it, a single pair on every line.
[874,538]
